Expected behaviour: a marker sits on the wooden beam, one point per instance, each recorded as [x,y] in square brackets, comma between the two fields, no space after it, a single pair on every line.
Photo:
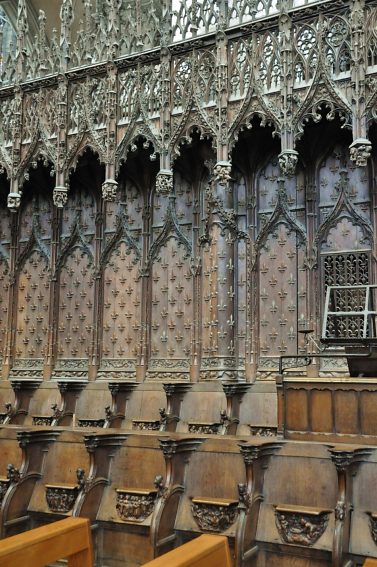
[204,551]
[70,538]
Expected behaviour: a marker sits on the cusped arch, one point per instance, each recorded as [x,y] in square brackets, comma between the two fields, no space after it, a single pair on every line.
[85,142]
[130,142]
[322,95]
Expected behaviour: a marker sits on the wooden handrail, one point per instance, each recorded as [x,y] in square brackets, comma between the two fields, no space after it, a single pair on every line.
[370,563]
[70,538]
[204,551]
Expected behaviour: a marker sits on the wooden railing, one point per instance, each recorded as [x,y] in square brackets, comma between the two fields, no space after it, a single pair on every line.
[370,563]
[204,551]
[70,538]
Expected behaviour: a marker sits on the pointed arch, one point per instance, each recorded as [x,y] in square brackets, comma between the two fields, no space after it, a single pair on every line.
[343,208]
[76,240]
[280,215]
[171,229]
[34,244]
[122,234]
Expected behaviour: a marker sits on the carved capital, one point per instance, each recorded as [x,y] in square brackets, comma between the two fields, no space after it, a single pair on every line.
[14,202]
[109,190]
[60,196]
[164,182]
[288,161]
[360,151]
[222,172]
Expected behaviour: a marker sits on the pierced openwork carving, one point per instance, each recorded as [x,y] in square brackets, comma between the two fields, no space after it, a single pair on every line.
[135,505]
[145,425]
[262,431]
[91,422]
[214,515]
[300,526]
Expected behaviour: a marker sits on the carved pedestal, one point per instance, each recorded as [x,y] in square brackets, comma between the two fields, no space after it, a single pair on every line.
[177,453]
[234,393]
[18,487]
[23,392]
[256,458]
[347,463]
[174,397]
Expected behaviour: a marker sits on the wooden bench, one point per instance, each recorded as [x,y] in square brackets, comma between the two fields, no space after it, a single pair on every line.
[204,551]
[69,538]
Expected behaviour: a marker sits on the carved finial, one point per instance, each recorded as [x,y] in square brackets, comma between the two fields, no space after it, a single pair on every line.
[22,30]
[66,18]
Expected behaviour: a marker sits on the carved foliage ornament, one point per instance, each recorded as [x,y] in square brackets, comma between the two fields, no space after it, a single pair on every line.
[288,162]
[164,182]
[360,151]
[60,196]
[301,527]
[109,190]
